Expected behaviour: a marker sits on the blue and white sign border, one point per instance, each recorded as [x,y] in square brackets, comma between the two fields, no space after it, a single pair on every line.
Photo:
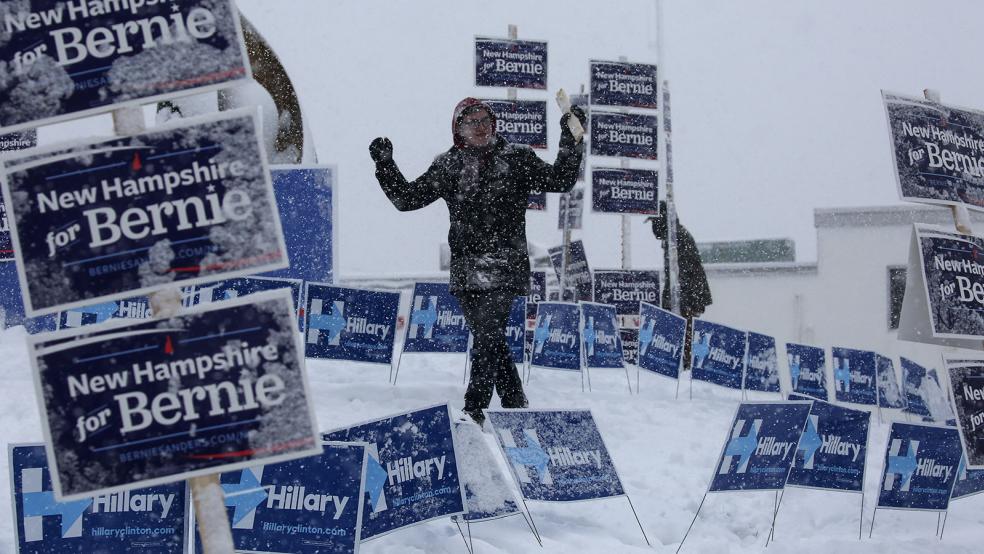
[104,333]
[253,114]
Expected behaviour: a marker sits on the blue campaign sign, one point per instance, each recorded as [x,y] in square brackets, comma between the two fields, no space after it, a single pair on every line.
[831,452]
[578,272]
[65,60]
[487,493]
[94,314]
[307,506]
[436,322]
[599,333]
[412,474]
[762,364]
[624,135]
[516,330]
[807,370]
[718,354]
[760,447]
[308,213]
[153,517]
[557,337]
[661,335]
[521,121]
[630,85]
[950,270]
[350,324]
[501,62]
[969,481]
[921,465]
[12,303]
[242,286]
[181,204]
[854,376]
[137,404]
[936,148]
[624,191]
[889,395]
[556,456]
[915,387]
[625,289]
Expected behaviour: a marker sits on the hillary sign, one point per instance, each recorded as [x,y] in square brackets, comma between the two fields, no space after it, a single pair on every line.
[309,505]
[68,59]
[138,404]
[350,324]
[557,337]
[436,322]
[412,474]
[661,335]
[177,205]
[854,376]
[760,447]
[833,448]
[556,456]
[602,342]
[807,370]
[762,364]
[718,354]
[152,517]
[920,468]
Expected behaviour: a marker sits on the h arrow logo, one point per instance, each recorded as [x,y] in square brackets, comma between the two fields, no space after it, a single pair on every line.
[646,335]
[333,323]
[245,497]
[423,315]
[842,374]
[531,455]
[375,480]
[741,446]
[701,348]
[39,504]
[810,442]
[541,333]
[903,466]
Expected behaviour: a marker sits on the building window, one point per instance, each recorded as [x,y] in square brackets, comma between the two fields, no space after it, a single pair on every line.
[896,292]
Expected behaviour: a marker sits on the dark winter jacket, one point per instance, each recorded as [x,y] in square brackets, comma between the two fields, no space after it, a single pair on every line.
[487,235]
[695,293]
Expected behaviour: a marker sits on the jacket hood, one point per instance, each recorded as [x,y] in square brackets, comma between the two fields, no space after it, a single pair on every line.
[459,112]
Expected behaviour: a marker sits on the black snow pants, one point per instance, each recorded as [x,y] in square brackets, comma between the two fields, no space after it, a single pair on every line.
[487,313]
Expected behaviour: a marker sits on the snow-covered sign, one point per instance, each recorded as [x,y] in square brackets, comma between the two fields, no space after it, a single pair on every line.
[436,322]
[661,335]
[350,324]
[557,337]
[854,376]
[516,330]
[624,135]
[12,303]
[108,524]
[21,140]
[938,151]
[967,388]
[137,307]
[924,395]
[556,456]
[889,395]
[969,481]
[308,213]
[521,121]
[630,85]
[412,474]
[761,364]
[487,493]
[501,62]
[307,506]
[578,272]
[602,343]
[181,204]
[807,370]
[137,404]
[571,209]
[760,446]
[64,60]
[239,287]
[624,191]
[920,467]
[832,450]
[630,344]
[625,289]
[944,291]
[718,354]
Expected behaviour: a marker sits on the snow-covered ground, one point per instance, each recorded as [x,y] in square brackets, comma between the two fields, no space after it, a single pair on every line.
[665,451]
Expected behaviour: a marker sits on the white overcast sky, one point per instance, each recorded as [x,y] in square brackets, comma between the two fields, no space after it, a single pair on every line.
[776,103]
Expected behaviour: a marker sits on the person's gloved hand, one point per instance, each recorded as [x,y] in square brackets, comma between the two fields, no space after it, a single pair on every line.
[566,138]
[381,150]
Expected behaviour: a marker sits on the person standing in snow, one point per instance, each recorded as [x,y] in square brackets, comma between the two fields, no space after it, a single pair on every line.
[695,293]
[485,182]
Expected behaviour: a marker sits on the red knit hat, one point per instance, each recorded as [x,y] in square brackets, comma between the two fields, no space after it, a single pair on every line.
[467,106]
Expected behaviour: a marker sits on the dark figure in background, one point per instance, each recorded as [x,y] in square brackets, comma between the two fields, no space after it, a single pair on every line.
[695,294]
[485,182]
